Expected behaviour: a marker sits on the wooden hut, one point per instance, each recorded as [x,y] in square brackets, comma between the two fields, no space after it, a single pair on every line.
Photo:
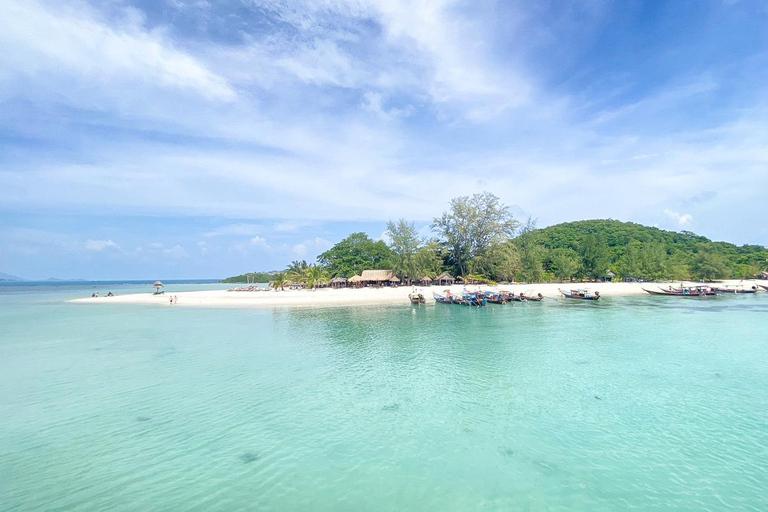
[338,282]
[426,281]
[355,281]
[378,277]
[445,279]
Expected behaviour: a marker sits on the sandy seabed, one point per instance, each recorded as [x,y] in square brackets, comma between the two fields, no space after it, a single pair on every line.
[326,297]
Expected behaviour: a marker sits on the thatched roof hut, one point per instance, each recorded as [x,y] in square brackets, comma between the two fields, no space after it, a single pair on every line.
[445,278]
[355,279]
[426,280]
[379,277]
[338,282]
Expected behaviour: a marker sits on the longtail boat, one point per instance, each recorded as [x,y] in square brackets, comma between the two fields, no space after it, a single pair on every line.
[684,292]
[474,299]
[417,299]
[580,294]
[494,298]
[763,287]
[538,298]
[734,290]
[443,299]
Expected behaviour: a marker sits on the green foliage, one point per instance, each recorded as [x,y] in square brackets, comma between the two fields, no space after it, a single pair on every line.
[709,265]
[472,226]
[279,281]
[633,250]
[354,254]
[251,277]
[532,263]
[404,244]
[564,263]
[315,275]
[595,257]
[502,262]
[296,271]
[428,260]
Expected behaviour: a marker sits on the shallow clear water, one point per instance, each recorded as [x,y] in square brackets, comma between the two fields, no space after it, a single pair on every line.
[651,403]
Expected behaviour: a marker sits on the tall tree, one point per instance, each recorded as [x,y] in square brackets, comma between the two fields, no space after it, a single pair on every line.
[531,261]
[708,265]
[354,254]
[595,257]
[564,263]
[404,242]
[472,225]
[428,260]
[315,275]
[501,263]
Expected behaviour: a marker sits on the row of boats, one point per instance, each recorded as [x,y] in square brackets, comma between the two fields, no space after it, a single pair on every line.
[702,291]
[482,298]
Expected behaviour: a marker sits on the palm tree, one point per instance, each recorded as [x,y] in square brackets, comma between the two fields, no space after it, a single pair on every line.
[296,271]
[279,281]
[315,275]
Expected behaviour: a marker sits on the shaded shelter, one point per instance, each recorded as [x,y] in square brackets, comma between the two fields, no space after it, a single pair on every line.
[445,279]
[338,282]
[379,277]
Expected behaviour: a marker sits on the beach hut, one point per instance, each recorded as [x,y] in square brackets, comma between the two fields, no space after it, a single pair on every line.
[157,286]
[338,282]
[355,280]
[445,279]
[378,277]
[608,277]
[426,281]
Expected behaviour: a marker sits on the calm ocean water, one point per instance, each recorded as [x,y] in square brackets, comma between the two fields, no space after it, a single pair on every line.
[649,403]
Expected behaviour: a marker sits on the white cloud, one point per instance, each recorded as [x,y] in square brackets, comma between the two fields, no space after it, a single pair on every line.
[317,245]
[242,229]
[67,44]
[260,242]
[100,245]
[681,219]
[374,102]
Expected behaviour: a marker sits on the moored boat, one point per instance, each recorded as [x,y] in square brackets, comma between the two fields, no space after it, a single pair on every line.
[683,292]
[763,287]
[734,290]
[580,294]
[538,298]
[443,299]
[417,299]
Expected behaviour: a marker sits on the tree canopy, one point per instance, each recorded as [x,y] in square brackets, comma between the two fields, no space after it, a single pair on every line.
[354,254]
[473,225]
[475,238]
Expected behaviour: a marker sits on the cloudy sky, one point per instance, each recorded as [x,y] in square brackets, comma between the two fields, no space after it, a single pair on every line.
[192,138]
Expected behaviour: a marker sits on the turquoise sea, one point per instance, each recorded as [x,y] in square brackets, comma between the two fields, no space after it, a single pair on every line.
[642,403]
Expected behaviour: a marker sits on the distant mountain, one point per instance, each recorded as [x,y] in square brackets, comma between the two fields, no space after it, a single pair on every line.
[637,251]
[9,277]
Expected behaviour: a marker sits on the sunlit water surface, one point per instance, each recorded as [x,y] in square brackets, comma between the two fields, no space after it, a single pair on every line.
[649,403]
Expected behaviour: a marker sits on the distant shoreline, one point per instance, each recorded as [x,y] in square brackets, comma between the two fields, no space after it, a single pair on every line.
[327,297]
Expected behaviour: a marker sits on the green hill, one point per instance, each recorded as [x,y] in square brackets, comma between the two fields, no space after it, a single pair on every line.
[252,277]
[637,251]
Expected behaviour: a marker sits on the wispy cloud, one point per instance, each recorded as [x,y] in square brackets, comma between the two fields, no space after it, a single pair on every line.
[273,120]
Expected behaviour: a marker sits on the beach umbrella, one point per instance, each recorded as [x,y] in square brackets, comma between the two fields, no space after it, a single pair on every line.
[158,285]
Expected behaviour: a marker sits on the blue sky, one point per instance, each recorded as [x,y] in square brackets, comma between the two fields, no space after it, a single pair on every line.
[173,139]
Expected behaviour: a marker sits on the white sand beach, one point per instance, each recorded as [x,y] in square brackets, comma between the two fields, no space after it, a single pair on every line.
[326,297]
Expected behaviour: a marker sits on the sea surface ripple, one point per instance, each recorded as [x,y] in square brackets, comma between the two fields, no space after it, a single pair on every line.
[636,403]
